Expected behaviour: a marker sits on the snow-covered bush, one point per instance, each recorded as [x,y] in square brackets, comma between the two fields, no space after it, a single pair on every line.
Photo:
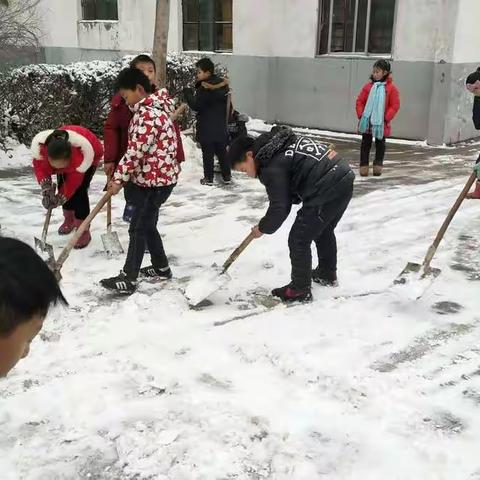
[38,97]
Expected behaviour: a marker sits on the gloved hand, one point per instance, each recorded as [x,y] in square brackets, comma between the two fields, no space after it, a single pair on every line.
[476,169]
[50,200]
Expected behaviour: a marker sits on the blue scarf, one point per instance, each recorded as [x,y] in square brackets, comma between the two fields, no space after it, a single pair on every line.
[374,114]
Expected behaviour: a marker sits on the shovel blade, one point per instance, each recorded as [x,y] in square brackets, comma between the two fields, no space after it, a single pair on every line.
[417,271]
[201,287]
[111,243]
[45,250]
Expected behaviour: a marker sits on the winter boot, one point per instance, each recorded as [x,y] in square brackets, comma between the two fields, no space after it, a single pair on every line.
[156,273]
[324,278]
[289,294]
[121,284]
[206,181]
[364,171]
[68,223]
[377,170]
[227,180]
[85,237]
[475,195]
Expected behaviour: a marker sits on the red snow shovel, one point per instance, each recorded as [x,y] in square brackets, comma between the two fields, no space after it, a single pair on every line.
[205,285]
[425,270]
[85,224]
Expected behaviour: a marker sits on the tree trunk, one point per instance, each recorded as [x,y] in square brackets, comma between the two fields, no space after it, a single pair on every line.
[160,39]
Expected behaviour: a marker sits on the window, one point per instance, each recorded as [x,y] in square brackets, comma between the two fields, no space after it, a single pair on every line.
[355,26]
[207,25]
[99,10]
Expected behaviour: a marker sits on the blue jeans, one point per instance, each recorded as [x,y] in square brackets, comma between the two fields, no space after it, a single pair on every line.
[143,227]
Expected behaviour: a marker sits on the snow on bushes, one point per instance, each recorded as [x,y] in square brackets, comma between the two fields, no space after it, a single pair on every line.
[41,96]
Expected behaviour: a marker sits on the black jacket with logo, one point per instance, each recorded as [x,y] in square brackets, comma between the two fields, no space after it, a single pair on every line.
[297,170]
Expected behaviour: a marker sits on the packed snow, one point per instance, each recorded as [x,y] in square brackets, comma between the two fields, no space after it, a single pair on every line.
[351,386]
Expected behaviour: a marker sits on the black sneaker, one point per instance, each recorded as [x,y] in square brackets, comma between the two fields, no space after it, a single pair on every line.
[227,181]
[289,294]
[206,181]
[324,278]
[121,284]
[152,272]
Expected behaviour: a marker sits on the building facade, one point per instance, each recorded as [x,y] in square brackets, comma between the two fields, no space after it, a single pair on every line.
[300,62]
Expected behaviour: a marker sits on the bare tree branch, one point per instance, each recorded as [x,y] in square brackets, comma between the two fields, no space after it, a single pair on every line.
[19,24]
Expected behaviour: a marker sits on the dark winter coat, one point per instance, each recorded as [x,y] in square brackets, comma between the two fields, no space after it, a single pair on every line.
[115,132]
[294,170]
[392,102]
[476,112]
[211,108]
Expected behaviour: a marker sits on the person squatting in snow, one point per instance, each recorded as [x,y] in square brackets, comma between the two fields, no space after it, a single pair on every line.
[473,86]
[72,153]
[299,170]
[377,105]
[27,290]
[115,131]
[149,171]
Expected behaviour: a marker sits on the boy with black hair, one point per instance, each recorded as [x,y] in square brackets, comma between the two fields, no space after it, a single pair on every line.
[27,290]
[149,171]
[211,107]
[115,131]
[299,170]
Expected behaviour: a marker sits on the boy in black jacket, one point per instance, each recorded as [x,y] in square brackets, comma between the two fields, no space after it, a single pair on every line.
[211,108]
[299,170]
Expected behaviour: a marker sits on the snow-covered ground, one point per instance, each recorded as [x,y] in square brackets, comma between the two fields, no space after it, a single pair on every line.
[366,387]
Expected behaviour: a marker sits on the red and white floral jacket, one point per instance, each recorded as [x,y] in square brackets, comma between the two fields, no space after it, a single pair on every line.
[151,157]
[87,151]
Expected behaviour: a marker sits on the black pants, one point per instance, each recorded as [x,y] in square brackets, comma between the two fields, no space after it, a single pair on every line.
[143,227]
[380,146]
[317,224]
[79,202]
[209,150]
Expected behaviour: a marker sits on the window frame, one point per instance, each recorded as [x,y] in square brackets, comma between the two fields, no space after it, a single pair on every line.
[83,20]
[212,25]
[353,53]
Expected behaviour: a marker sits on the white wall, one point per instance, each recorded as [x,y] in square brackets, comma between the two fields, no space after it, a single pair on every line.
[59,23]
[467,33]
[277,28]
[63,27]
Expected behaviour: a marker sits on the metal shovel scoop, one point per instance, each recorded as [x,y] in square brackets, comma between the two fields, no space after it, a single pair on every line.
[110,240]
[44,249]
[415,271]
[203,286]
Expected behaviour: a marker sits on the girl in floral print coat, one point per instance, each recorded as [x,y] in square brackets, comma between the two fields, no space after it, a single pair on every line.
[149,171]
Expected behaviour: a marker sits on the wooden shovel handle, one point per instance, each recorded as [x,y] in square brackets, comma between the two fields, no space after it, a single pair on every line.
[236,253]
[109,215]
[85,224]
[448,220]
[46,224]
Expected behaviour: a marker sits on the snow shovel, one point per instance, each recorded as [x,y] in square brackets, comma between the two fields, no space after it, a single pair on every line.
[205,285]
[110,240]
[425,270]
[85,224]
[44,249]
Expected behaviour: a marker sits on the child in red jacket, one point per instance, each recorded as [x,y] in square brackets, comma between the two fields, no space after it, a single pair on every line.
[115,131]
[72,153]
[377,105]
